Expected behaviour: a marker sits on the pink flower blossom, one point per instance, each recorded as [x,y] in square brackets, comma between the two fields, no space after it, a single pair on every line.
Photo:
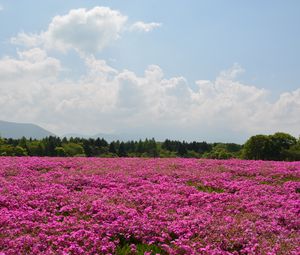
[180,206]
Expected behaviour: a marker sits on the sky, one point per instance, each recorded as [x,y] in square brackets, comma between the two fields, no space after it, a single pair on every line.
[194,70]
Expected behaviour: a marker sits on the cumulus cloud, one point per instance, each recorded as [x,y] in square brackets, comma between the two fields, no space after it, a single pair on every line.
[28,40]
[144,27]
[104,99]
[86,31]
[81,29]
[32,64]
[108,100]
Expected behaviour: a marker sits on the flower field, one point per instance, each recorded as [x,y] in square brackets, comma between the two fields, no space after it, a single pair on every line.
[148,206]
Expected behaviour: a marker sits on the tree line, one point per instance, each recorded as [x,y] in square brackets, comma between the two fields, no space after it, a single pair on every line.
[279,146]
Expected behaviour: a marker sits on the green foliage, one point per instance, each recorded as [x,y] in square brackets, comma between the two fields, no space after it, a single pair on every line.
[122,151]
[60,152]
[50,143]
[19,151]
[23,142]
[218,154]
[223,151]
[7,150]
[167,154]
[109,155]
[36,148]
[140,249]
[151,148]
[293,153]
[258,147]
[280,143]
[112,148]
[192,154]
[88,149]
[279,146]
[182,151]
[73,149]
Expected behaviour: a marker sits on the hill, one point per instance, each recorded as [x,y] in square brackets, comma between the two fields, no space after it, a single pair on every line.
[18,130]
[108,137]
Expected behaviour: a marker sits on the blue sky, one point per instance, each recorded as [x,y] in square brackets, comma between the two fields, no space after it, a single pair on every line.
[196,40]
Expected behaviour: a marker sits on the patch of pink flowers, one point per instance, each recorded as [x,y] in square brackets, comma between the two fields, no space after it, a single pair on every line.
[184,206]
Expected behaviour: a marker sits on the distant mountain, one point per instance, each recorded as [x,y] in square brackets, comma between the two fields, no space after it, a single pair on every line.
[69,135]
[108,137]
[18,130]
[111,137]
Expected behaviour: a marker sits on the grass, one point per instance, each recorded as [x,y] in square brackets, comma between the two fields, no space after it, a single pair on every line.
[278,180]
[140,249]
[124,247]
[205,188]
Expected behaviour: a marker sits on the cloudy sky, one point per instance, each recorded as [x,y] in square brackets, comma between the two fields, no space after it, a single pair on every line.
[205,70]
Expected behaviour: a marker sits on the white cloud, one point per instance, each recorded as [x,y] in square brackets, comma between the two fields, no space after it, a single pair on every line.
[1,8]
[105,99]
[144,27]
[33,64]
[29,40]
[86,31]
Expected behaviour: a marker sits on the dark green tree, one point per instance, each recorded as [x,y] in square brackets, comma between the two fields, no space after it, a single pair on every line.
[280,143]
[122,152]
[182,151]
[258,147]
[112,148]
[87,147]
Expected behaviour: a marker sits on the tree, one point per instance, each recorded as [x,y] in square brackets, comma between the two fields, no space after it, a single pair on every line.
[50,144]
[293,153]
[122,151]
[73,149]
[258,147]
[272,147]
[219,151]
[23,144]
[19,151]
[100,142]
[280,143]
[152,149]
[182,149]
[140,148]
[87,148]
[112,148]
[41,149]
[35,148]
[7,150]
[60,152]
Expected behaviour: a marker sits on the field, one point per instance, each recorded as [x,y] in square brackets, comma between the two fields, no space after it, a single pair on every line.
[148,206]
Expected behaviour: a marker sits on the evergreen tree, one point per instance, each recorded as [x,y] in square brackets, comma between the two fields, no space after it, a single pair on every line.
[112,148]
[122,151]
